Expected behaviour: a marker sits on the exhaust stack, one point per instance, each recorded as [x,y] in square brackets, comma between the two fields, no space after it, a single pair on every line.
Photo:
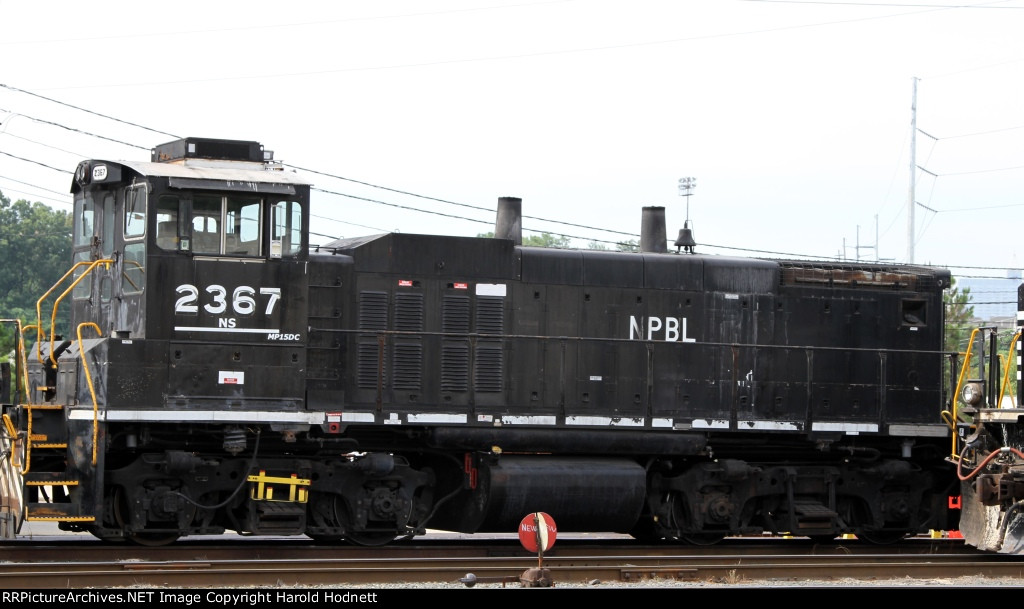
[509,223]
[652,231]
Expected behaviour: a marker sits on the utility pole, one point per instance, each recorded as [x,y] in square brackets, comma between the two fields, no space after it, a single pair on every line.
[860,247]
[911,204]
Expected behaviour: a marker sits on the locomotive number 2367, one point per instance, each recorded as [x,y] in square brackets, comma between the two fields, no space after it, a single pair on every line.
[243,299]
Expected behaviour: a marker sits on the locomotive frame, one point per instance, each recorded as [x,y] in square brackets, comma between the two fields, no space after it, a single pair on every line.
[220,373]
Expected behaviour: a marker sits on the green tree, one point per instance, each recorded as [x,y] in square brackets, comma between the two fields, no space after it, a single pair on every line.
[628,246]
[541,240]
[960,323]
[546,240]
[35,246]
[621,246]
[959,312]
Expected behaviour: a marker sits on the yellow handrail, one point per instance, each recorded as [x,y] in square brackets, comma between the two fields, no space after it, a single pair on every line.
[39,316]
[959,386]
[9,427]
[20,362]
[1006,369]
[28,441]
[53,317]
[88,379]
[22,357]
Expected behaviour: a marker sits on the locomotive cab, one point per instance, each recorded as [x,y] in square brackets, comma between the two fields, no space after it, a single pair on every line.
[199,199]
[187,290]
[224,227]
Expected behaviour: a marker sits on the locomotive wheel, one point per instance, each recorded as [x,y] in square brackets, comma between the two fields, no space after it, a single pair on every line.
[682,519]
[105,538]
[334,512]
[372,540]
[107,520]
[703,539]
[323,514]
[361,538]
[142,538]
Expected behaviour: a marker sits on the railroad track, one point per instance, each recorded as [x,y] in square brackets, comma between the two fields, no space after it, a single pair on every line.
[458,563]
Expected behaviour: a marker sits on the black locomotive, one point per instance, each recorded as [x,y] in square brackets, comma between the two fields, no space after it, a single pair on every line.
[220,373]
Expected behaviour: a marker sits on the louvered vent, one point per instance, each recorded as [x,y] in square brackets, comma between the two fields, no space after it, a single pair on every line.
[373,316]
[489,317]
[488,369]
[455,346]
[369,365]
[454,365]
[373,311]
[408,350]
[456,315]
[409,312]
[408,366]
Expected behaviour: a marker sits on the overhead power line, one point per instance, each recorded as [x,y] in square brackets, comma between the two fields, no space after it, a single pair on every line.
[118,120]
[54,124]
[402,192]
[466,205]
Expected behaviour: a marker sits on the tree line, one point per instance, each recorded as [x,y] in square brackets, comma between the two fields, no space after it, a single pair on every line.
[35,250]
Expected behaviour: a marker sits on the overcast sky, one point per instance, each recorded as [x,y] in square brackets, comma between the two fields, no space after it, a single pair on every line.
[794,117]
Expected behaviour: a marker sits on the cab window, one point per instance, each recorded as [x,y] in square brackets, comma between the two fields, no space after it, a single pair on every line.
[286,230]
[133,278]
[135,211]
[206,224]
[242,226]
[167,223]
[84,229]
[85,219]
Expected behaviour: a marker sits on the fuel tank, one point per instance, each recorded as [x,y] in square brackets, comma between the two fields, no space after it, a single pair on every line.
[581,494]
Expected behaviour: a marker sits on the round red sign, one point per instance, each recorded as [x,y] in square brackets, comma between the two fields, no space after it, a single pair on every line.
[537,531]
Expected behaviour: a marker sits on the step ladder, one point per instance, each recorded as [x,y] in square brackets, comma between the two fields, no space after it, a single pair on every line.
[16,483]
[47,447]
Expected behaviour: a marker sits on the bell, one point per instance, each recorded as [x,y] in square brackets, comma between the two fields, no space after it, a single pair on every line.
[685,239]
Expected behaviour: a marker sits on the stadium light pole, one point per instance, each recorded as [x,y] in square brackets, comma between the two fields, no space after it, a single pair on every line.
[685,239]
[686,186]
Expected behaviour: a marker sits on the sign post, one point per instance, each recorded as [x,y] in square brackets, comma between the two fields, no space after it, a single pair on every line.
[537,532]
